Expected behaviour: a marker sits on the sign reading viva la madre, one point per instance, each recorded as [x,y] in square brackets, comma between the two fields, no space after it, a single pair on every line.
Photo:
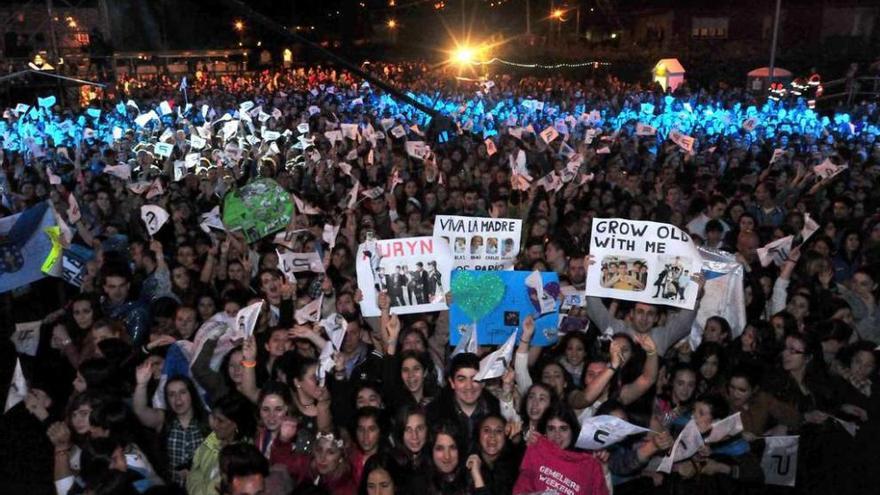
[479,243]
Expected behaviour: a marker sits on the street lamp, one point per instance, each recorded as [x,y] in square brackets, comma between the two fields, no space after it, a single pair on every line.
[238,25]
[391,24]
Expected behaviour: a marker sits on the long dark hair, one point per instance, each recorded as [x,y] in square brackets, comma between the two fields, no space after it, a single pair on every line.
[380,461]
[402,455]
[430,387]
[200,412]
[236,408]
[562,412]
[457,482]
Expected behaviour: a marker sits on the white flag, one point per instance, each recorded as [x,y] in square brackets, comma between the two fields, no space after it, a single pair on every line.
[26,337]
[497,362]
[335,326]
[398,132]
[417,149]
[828,169]
[309,312]
[246,318]
[17,388]
[304,208]
[777,154]
[154,217]
[725,428]
[286,267]
[775,252]
[300,262]
[549,134]
[197,142]
[468,341]
[349,131]
[686,445]
[330,233]
[683,141]
[144,118]
[645,130]
[779,461]
[121,171]
[210,220]
[600,432]
[545,300]
[155,189]
[490,147]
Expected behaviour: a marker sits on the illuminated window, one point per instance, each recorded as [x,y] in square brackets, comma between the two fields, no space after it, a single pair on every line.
[709,27]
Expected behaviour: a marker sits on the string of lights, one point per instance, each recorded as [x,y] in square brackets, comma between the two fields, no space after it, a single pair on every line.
[573,65]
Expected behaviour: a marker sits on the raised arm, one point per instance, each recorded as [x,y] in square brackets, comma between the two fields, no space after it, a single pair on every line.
[249,369]
[149,417]
[630,392]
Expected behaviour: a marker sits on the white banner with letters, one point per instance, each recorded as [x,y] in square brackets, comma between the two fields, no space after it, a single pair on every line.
[779,461]
[415,272]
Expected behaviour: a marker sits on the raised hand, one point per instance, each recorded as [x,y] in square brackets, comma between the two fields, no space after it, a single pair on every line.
[143,373]
[59,435]
[288,429]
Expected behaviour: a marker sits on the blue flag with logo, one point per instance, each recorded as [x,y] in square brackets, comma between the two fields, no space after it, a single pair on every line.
[24,246]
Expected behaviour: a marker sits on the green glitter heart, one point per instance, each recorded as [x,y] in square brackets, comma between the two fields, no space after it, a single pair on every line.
[477,294]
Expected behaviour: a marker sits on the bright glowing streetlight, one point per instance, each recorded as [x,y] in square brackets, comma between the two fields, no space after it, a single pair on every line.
[238,25]
[463,55]
[557,14]
[391,24]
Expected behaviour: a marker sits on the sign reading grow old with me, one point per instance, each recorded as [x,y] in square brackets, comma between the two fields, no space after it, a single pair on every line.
[645,262]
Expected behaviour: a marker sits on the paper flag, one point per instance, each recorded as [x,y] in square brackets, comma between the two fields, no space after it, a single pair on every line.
[725,428]
[17,388]
[545,300]
[163,149]
[246,318]
[26,337]
[490,147]
[122,171]
[311,312]
[46,102]
[779,461]
[497,362]
[686,445]
[154,218]
[211,220]
[330,233]
[468,341]
[601,432]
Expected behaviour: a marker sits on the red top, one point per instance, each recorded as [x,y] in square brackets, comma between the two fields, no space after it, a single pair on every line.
[547,467]
[301,471]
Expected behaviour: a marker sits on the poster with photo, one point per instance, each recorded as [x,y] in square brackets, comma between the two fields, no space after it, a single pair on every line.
[642,261]
[498,302]
[480,243]
[414,271]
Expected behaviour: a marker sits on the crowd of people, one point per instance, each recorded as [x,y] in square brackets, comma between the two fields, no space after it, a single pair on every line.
[136,387]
